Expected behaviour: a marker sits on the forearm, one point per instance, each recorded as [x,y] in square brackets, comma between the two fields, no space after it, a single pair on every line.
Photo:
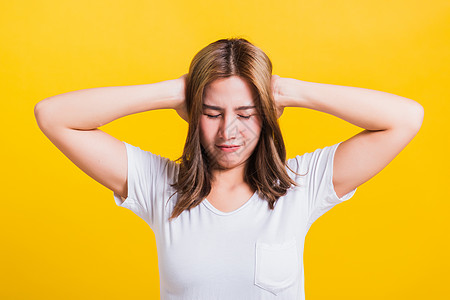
[369,109]
[91,108]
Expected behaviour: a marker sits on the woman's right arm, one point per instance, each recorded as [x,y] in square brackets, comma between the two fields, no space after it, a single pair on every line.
[71,120]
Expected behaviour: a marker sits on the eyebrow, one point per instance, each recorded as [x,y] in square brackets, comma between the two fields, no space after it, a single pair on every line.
[221,109]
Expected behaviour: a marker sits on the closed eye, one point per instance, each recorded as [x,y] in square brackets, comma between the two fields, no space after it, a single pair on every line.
[216,116]
[212,116]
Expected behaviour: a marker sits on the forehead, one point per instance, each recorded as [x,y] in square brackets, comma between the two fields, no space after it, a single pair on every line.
[230,92]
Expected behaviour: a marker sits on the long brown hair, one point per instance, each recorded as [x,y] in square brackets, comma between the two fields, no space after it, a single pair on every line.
[265,169]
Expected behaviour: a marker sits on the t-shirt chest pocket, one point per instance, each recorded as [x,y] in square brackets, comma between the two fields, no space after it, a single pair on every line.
[277,265]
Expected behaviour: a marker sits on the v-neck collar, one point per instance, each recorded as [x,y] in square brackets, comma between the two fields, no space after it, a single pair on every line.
[222,213]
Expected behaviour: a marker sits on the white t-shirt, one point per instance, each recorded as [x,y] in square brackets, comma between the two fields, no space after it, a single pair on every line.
[251,253]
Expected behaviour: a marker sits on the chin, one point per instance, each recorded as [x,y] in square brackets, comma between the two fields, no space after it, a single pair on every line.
[231,163]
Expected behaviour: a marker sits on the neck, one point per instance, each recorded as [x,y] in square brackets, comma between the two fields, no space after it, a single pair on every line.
[229,178]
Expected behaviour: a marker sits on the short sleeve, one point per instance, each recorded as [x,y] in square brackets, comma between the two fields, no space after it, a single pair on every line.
[148,178]
[318,181]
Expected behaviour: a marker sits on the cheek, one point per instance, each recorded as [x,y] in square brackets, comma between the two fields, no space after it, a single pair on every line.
[206,131]
[201,126]
[254,129]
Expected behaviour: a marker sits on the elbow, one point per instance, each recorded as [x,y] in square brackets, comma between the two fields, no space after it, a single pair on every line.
[410,118]
[41,112]
[417,116]
[38,109]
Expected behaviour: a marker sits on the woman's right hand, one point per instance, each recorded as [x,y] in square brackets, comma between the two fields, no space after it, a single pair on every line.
[181,107]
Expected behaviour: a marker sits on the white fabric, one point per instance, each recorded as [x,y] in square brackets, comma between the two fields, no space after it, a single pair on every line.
[250,253]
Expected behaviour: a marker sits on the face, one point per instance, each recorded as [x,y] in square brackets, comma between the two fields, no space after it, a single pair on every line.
[229,125]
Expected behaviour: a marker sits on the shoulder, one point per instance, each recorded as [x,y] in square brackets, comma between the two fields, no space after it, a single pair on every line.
[319,157]
[156,163]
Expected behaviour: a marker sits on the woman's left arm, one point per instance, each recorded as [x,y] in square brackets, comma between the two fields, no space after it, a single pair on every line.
[390,123]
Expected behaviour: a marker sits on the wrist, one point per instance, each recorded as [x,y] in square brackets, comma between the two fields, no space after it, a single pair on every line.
[290,92]
[180,89]
[172,92]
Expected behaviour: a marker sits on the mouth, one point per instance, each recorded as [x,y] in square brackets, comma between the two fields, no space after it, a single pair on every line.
[228,148]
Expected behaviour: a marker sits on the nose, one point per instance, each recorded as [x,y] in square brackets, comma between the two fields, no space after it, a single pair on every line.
[229,128]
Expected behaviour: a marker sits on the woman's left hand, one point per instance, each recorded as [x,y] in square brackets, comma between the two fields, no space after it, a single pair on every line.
[277,96]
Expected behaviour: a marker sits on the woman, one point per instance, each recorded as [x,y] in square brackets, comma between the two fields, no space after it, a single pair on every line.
[230,219]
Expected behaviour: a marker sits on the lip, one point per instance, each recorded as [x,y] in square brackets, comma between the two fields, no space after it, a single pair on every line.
[228,148]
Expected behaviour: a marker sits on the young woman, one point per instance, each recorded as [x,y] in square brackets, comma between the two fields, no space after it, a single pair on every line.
[231,214]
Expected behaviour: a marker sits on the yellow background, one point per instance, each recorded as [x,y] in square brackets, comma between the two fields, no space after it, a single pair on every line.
[63,237]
